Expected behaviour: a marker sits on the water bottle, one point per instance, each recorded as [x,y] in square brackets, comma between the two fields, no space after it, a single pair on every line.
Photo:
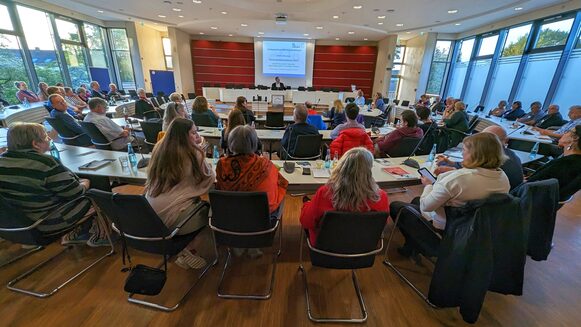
[432,155]
[131,156]
[534,151]
[328,159]
[54,152]
[25,103]
[335,159]
[220,127]
[216,155]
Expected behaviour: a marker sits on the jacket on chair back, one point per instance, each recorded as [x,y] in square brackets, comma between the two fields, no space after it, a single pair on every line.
[351,138]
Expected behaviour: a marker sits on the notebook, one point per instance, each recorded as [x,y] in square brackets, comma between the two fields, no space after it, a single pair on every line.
[321,173]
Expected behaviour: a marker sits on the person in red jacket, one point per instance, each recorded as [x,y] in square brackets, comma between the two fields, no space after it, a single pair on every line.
[351,187]
[409,129]
[351,138]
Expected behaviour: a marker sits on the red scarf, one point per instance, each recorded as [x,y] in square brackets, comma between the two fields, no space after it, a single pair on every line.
[241,172]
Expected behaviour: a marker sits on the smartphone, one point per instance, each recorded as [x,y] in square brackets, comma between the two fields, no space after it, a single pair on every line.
[427,174]
[306,171]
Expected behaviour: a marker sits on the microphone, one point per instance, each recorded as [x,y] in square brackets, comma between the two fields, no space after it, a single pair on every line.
[516,129]
[411,162]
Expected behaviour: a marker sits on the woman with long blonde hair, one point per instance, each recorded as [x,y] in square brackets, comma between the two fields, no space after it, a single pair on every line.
[337,114]
[351,187]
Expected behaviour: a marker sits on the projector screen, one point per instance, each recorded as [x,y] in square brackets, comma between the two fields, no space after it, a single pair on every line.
[284,58]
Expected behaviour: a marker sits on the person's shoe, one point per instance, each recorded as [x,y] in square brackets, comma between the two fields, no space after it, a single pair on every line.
[96,241]
[187,259]
[75,237]
[254,253]
[238,252]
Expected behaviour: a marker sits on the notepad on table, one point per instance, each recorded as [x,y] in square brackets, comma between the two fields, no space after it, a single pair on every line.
[397,171]
[321,173]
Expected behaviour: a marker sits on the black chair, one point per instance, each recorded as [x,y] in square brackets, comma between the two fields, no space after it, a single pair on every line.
[160,99]
[405,103]
[368,101]
[191,96]
[310,88]
[396,101]
[301,88]
[404,148]
[153,114]
[122,92]
[307,147]
[155,102]
[274,120]
[143,230]
[346,240]
[383,118]
[98,139]
[68,136]
[16,227]
[386,100]
[203,120]
[242,220]
[133,94]
[349,99]
[150,131]
[149,94]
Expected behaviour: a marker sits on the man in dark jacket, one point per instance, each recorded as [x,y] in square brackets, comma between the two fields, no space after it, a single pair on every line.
[553,118]
[59,111]
[96,91]
[300,127]
[515,111]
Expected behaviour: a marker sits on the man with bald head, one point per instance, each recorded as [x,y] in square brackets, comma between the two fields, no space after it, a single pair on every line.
[61,112]
[574,115]
[300,127]
[512,167]
[551,119]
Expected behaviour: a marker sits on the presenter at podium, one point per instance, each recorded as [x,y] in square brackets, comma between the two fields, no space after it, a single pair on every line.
[277,85]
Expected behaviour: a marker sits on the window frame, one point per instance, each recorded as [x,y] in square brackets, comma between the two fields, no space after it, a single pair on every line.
[165,55]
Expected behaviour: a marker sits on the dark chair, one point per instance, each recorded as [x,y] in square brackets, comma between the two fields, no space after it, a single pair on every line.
[404,148]
[301,88]
[16,227]
[143,230]
[349,99]
[155,102]
[274,120]
[230,86]
[203,120]
[310,88]
[68,136]
[122,92]
[217,85]
[307,147]
[153,114]
[288,87]
[133,94]
[191,96]
[346,240]
[160,99]
[396,101]
[242,220]
[368,101]
[150,131]
[386,100]
[149,94]
[383,118]
[98,139]
[405,103]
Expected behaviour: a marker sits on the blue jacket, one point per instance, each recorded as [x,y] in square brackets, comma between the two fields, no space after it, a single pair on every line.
[514,114]
[70,122]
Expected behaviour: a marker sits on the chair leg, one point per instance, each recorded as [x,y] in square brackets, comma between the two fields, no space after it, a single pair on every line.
[11,285]
[20,255]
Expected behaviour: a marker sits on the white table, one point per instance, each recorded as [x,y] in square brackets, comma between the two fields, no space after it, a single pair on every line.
[35,113]
[372,113]
[515,131]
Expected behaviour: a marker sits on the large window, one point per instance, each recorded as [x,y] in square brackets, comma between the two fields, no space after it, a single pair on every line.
[439,68]
[94,36]
[479,73]
[459,73]
[122,58]
[553,33]
[74,52]
[396,72]
[166,43]
[11,63]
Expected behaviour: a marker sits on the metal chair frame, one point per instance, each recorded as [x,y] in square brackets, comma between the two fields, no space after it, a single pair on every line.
[353,277]
[264,296]
[11,285]
[20,255]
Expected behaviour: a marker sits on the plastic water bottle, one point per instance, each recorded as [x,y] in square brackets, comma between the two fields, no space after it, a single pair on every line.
[216,155]
[432,155]
[54,152]
[131,156]
[335,159]
[220,126]
[25,103]
[328,159]
[534,151]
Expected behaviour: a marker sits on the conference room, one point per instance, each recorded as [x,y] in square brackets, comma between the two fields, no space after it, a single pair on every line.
[290,162]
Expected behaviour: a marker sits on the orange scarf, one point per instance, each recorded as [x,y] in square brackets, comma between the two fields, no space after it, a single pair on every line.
[241,172]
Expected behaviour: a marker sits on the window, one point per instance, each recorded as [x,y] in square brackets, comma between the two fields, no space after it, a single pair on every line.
[459,73]
[94,36]
[479,72]
[440,65]
[487,46]
[39,37]
[166,42]
[553,33]
[516,41]
[465,50]
[74,52]
[567,93]
[122,58]
[396,71]
[68,31]
[5,20]
[12,67]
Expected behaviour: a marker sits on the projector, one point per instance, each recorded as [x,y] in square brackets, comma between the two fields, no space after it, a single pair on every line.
[280,19]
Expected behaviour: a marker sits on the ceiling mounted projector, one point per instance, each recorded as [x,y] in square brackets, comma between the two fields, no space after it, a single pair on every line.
[281,19]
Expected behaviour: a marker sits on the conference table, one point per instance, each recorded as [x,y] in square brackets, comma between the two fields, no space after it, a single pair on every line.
[33,113]
[294,96]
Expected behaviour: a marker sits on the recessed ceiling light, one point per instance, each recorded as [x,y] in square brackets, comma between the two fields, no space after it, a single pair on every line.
[399,25]
[380,23]
[452,11]
[306,34]
[364,39]
[337,39]
[335,17]
[357,7]
[458,24]
[176,9]
[310,38]
[224,12]
[380,17]
[259,36]
[518,8]
[181,16]
[350,32]
[319,27]
[214,27]
[408,32]
[230,35]
[196,1]
[243,25]
[100,11]
[201,33]
[161,16]
[261,33]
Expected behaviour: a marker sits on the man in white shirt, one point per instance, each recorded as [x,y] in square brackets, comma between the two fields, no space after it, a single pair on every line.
[116,134]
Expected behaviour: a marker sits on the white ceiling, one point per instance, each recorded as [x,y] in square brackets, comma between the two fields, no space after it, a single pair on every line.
[304,16]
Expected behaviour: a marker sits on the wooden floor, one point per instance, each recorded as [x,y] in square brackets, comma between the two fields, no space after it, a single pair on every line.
[552,291]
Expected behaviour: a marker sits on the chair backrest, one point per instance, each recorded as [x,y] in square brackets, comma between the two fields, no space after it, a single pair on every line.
[348,233]
[191,96]
[404,148]
[317,121]
[241,212]
[302,88]
[274,119]
[368,101]
[150,131]
[386,100]
[12,217]
[122,92]
[64,132]
[396,101]
[203,120]
[349,99]
[149,94]
[472,124]
[308,147]
[405,103]
[133,94]
[98,139]
[160,99]
[154,101]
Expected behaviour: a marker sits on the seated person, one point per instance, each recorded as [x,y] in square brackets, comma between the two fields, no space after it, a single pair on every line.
[424,100]
[59,111]
[176,97]
[73,111]
[245,171]
[351,187]
[114,133]
[277,85]
[574,115]
[74,99]
[242,105]
[178,175]
[457,122]
[378,101]
[409,128]
[4,102]
[449,109]
[42,94]
[173,111]
[352,112]
[437,105]
[96,91]
[235,119]
[300,127]
[143,105]
[337,114]
[35,183]
[114,94]
[200,108]
[360,99]
[310,108]
[480,177]
[499,110]
[425,119]
[515,111]
[83,94]
[512,167]
[553,118]
[350,138]
[534,115]
[24,93]
[566,169]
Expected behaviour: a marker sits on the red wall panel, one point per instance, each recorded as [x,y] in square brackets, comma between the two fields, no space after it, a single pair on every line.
[222,63]
[339,66]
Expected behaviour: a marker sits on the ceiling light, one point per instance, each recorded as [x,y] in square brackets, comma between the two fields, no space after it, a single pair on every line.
[337,39]
[224,12]
[310,38]
[399,25]
[261,33]
[176,9]
[319,27]
[518,8]
[458,24]
[259,36]
[306,34]
[408,32]
[230,35]
[100,11]
[201,33]
[181,16]
[452,11]
[196,1]
[357,7]
[335,17]
[380,17]
[380,23]
[214,27]
[161,16]
[350,32]
[243,25]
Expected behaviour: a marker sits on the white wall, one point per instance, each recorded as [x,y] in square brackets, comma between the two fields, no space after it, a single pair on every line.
[384,63]
[260,79]
[151,51]
[182,60]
